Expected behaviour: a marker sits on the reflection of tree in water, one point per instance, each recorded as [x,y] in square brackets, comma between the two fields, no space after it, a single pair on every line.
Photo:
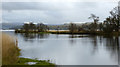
[72,41]
[29,35]
[33,36]
[41,36]
[111,44]
[95,43]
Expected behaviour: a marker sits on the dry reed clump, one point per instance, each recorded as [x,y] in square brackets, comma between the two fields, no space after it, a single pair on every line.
[0,48]
[10,51]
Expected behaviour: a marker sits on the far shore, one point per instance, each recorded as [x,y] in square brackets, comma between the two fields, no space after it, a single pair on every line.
[68,32]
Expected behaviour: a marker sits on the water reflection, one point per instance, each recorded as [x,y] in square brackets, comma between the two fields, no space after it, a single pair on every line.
[72,41]
[110,43]
[32,36]
[70,49]
[95,43]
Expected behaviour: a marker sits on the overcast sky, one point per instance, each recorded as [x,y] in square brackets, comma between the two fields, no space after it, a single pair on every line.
[55,11]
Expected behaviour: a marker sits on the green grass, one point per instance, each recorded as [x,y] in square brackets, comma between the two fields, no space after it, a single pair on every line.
[43,32]
[24,61]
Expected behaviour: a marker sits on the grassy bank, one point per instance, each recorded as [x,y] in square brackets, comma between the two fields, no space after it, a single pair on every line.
[26,61]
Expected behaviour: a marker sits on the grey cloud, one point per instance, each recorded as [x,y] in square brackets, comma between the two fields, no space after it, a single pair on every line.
[22,6]
[31,6]
[46,5]
[55,12]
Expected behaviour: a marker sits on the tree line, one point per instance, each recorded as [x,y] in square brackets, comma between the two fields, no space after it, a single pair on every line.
[33,27]
[110,24]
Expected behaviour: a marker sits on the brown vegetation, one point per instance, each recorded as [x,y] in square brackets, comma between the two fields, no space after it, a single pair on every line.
[10,52]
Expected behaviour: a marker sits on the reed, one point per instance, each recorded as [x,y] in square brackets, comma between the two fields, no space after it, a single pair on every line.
[0,49]
[10,51]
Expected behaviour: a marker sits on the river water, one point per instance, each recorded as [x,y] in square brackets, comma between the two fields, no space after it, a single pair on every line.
[65,49]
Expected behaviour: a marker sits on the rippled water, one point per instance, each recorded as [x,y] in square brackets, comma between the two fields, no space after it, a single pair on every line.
[67,49]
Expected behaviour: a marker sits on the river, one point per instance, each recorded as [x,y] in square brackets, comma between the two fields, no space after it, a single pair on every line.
[65,49]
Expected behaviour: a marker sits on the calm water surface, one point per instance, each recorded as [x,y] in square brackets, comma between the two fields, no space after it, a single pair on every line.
[67,49]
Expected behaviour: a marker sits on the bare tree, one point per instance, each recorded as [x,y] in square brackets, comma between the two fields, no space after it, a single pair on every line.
[93,26]
[94,17]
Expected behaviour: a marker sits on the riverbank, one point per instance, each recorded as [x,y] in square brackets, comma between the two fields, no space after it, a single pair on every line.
[68,32]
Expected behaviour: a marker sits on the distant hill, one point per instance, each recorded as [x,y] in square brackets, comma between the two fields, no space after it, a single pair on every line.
[7,26]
